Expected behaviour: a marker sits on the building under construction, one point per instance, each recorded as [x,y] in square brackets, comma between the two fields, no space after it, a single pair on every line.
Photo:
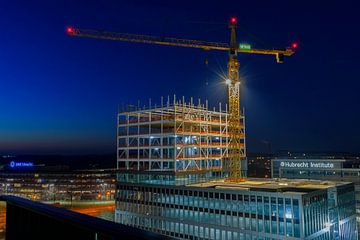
[177,137]
[172,162]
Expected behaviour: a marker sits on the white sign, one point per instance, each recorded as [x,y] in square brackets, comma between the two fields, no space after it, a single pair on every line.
[298,164]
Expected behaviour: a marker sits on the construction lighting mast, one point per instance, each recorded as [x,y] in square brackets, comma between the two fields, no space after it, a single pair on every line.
[236,151]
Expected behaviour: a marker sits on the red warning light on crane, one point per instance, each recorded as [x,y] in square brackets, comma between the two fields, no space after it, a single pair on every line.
[70,30]
[294,45]
[233,20]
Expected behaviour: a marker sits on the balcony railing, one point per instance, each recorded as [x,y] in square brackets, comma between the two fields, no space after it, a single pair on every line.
[27,219]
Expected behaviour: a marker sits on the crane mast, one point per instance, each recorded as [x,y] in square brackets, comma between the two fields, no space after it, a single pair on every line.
[236,148]
[236,129]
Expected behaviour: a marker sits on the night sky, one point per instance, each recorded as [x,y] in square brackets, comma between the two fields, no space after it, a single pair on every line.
[60,94]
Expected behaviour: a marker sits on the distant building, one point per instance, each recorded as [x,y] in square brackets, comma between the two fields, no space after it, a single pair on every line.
[346,170]
[259,165]
[59,185]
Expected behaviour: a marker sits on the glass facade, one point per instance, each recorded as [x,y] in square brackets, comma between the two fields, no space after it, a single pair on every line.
[167,178]
[323,169]
[222,212]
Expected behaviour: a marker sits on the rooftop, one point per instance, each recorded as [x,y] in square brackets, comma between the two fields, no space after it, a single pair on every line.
[298,186]
[308,159]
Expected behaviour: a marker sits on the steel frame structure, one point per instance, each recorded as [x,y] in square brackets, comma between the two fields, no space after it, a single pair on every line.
[176,136]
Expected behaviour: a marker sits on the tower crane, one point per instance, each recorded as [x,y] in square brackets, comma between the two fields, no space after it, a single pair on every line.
[236,129]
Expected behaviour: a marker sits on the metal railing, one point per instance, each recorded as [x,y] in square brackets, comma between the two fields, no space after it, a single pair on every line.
[27,219]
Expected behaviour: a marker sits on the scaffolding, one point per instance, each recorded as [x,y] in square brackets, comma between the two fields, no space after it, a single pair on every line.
[177,136]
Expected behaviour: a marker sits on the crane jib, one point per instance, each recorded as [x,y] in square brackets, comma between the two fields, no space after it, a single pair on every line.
[170,41]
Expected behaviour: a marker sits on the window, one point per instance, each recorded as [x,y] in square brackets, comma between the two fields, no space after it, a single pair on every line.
[233,197]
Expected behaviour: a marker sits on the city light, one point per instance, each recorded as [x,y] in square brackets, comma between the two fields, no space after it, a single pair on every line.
[14,164]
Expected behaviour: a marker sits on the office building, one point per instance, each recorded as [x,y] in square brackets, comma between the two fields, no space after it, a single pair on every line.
[329,169]
[254,209]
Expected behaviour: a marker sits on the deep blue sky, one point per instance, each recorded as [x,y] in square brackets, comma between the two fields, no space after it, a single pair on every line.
[60,94]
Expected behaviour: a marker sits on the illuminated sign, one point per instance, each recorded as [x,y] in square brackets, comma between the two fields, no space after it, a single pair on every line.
[309,164]
[245,46]
[14,164]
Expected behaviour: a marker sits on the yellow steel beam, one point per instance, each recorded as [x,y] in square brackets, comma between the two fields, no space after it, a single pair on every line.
[179,42]
[169,41]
